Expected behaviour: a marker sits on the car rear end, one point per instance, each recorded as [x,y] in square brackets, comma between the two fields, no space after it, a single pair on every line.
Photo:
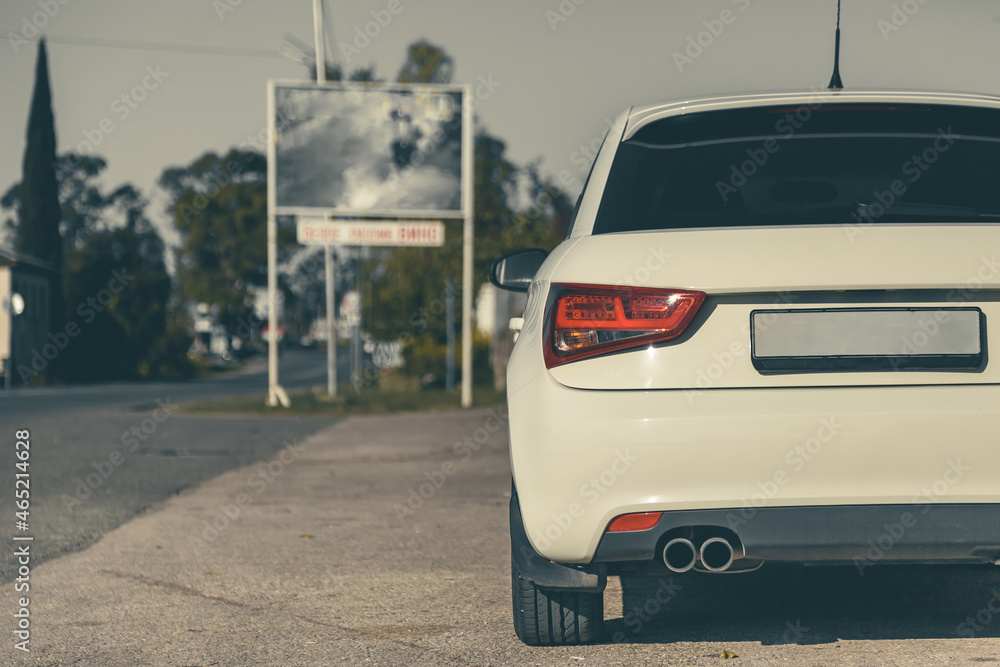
[770,329]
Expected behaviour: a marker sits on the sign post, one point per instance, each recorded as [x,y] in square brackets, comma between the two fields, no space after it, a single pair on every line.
[275,392]
[331,334]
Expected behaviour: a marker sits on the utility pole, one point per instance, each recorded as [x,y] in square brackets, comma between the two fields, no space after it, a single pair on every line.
[331,338]
[275,392]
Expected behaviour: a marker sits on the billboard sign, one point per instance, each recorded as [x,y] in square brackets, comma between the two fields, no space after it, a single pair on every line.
[369,150]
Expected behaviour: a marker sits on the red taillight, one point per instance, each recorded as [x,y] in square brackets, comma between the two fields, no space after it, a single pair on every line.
[589,320]
[627,523]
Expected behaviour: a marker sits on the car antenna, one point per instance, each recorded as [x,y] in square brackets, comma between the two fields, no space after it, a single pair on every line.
[835,82]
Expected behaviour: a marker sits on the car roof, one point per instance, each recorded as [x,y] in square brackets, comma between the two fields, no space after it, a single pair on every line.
[643,115]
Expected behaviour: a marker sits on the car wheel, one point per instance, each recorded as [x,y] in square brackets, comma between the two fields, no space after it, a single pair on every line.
[548,617]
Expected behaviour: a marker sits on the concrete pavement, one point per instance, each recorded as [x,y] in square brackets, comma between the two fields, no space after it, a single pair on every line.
[383,540]
[101,453]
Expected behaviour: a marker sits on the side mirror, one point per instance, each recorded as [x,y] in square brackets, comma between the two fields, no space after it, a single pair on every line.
[515,270]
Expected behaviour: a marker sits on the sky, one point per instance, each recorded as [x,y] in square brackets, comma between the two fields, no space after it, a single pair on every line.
[552,74]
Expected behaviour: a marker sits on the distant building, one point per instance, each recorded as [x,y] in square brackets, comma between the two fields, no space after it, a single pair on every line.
[31,278]
[210,337]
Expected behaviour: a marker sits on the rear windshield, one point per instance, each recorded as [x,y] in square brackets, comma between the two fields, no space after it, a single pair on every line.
[830,164]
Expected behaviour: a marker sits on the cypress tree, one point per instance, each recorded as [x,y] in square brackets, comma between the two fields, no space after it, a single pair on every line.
[39,212]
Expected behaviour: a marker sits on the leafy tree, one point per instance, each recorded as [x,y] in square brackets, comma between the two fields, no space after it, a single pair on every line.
[544,222]
[335,73]
[426,63]
[118,291]
[9,203]
[219,204]
[39,212]
[304,53]
[84,205]
[408,292]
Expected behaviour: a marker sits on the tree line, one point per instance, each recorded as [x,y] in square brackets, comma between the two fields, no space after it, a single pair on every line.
[133,317]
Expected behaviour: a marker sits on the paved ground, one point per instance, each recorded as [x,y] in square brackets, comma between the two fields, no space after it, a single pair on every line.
[306,560]
[101,454]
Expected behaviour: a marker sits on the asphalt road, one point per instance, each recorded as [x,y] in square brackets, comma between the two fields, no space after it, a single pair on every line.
[298,369]
[320,565]
[102,454]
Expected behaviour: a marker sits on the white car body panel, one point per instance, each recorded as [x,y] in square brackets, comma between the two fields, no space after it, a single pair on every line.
[751,260]
[957,261]
[726,449]
[691,424]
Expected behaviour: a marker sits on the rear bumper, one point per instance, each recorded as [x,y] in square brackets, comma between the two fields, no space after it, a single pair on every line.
[528,565]
[854,457]
[859,534]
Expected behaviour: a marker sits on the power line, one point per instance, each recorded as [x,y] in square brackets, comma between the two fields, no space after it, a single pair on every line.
[173,47]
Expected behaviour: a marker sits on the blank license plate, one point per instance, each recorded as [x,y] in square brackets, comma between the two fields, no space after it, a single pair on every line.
[867,339]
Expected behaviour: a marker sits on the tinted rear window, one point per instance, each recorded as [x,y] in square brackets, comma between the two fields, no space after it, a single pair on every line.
[847,164]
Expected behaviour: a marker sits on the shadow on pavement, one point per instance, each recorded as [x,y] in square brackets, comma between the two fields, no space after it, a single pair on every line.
[791,604]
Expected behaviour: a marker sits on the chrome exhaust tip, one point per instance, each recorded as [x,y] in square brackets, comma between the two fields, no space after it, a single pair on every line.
[679,555]
[716,554]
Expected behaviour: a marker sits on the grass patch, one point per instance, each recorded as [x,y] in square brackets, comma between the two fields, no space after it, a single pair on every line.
[376,400]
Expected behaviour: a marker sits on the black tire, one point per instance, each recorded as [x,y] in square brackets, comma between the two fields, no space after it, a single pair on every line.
[550,617]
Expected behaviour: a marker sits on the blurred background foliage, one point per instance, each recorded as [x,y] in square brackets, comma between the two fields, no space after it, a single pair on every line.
[218,205]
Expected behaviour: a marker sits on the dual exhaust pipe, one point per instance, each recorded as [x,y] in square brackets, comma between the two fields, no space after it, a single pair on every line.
[716,554]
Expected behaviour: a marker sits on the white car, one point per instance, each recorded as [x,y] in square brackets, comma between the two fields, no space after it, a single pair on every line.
[766,338]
